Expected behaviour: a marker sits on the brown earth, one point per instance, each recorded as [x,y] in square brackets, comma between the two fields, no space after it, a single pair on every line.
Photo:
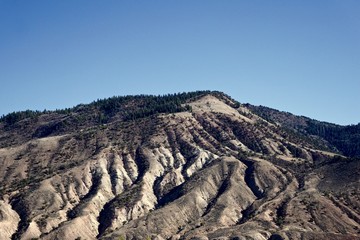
[215,172]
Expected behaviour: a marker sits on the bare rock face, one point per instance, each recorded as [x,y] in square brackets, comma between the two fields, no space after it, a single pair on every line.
[9,220]
[213,170]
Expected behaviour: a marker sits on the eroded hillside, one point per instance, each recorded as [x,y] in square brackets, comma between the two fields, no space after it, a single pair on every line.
[208,169]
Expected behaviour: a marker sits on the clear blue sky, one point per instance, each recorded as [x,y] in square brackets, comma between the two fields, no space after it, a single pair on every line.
[297,56]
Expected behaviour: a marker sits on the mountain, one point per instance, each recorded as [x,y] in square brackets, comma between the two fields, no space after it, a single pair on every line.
[196,165]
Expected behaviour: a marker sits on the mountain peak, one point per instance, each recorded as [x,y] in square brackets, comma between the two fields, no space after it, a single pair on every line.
[213,103]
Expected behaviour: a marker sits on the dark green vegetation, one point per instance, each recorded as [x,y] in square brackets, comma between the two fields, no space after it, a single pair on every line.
[346,139]
[28,124]
[128,107]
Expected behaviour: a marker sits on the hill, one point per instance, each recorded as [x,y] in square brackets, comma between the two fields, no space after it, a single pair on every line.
[194,165]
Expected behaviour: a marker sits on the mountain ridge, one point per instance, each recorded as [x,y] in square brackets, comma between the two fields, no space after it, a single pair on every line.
[104,110]
[193,166]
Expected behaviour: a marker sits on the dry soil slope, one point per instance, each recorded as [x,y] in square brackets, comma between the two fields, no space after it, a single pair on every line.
[213,173]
